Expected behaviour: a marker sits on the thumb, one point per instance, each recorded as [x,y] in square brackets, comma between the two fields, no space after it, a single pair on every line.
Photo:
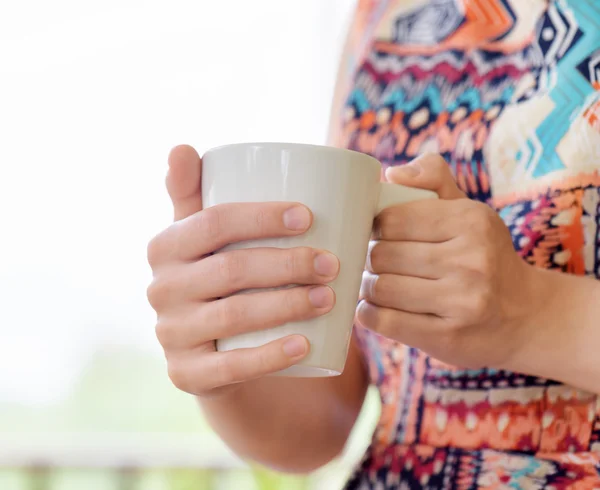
[184,181]
[430,172]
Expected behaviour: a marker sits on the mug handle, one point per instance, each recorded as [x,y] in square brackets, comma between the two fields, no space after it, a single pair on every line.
[395,194]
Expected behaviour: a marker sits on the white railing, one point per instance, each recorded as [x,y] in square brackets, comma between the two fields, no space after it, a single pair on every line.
[109,451]
[129,457]
[126,456]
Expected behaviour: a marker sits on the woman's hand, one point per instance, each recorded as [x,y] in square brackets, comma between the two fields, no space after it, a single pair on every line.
[443,275]
[192,289]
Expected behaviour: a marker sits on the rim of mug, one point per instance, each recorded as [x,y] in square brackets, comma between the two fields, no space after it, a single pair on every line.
[260,144]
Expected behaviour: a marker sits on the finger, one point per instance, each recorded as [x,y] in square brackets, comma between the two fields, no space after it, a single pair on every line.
[200,374]
[229,272]
[408,328]
[241,314]
[425,260]
[429,172]
[411,294]
[184,180]
[237,270]
[431,220]
[217,226]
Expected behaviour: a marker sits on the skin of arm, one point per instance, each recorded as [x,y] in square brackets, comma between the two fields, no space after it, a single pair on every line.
[291,425]
[562,340]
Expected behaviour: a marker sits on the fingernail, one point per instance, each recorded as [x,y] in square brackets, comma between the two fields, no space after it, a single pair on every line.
[295,347]
[297,218]
[321,297]
[410,169]
[326,264]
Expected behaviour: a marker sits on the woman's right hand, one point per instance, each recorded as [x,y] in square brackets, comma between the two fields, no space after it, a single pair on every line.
[192,289]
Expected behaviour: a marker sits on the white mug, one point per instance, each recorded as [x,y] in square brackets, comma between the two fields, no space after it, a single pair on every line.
[342,188]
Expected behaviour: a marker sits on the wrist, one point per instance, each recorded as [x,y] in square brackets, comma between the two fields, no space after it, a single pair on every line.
[537,298]
[557,339]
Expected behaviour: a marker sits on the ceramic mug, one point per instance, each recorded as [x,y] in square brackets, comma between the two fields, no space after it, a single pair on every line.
[342,188]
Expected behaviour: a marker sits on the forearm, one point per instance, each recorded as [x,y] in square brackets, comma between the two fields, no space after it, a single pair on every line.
[292,425]
[563,340]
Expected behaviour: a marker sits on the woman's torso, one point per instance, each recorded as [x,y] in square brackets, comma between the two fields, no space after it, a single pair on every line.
[508,91]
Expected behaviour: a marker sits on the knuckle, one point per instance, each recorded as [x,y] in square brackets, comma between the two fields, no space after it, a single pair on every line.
[430,257]
[478,306]
[463,208]
[182,233]
[291,302]
[209,222]
[154,251]
[179,376]
[436,161]
[262,361]
[261,220]
[290,263]
[479,216]
[156,293]
[232,267]
[485,302]
[452,326]
[166,332]
[225,371]
[229,313]
[296,262]
[481,262]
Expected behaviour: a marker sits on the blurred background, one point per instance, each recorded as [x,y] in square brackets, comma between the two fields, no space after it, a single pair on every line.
[93,95]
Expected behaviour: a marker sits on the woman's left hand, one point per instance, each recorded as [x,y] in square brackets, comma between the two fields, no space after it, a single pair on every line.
[443,275]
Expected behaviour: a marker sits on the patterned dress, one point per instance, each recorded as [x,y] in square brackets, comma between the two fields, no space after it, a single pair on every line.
[508,91]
